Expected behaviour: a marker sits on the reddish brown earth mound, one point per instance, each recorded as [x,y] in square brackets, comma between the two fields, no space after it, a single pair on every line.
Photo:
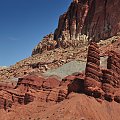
[76,107]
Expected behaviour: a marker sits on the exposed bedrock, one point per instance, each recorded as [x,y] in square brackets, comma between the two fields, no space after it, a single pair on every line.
[83,21]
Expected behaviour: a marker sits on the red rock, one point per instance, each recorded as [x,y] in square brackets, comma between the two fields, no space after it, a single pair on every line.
[7,85]
[94,83]
[109,97]
[111,75]
[92,75]
[92,71]
[50,83]
[117,99]
[2,101]
[90,82]
[83,20]
[5,100]
[67,80]
[94,60]
[94,54]
[30,81]
[107,88]
[42,95]
[71,23]
[92,66]
[91,18]
[102,24]
[48,43]
[21,100]
[94,47]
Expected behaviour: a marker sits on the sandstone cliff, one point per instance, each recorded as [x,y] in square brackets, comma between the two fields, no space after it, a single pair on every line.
[83,21]
[99,19]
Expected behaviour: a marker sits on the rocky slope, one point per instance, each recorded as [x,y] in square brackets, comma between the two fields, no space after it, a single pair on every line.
[49,60]
[2,67]
[76,107]
[41,63]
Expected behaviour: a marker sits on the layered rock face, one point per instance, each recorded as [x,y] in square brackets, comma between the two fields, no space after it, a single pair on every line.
[71,23]
[113,65]
[92,72]
[103,83]
[85,19]
[103,20]
[98,19]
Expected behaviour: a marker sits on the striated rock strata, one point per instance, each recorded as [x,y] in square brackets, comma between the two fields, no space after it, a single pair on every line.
[93,72]
[99,19]
[102,83]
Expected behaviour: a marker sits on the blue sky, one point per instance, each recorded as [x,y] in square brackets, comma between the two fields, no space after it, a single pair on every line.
[23,23]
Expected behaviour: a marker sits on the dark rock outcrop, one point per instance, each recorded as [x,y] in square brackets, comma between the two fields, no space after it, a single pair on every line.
[30,88]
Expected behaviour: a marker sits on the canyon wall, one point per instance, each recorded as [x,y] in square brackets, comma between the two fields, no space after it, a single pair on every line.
[83,21]
[99,19]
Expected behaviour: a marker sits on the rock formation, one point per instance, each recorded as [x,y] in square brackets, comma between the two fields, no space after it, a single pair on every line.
[89,17]
[33,94]
[48,43]
[102,83]
[93,19]
[111,76]
[83,21]
[30,88]
[71,23]
[99,83]
[92,73]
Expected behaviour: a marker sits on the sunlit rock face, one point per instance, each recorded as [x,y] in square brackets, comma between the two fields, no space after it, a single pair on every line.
[83,21]
[103,19]
[96,18]
[71,23]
